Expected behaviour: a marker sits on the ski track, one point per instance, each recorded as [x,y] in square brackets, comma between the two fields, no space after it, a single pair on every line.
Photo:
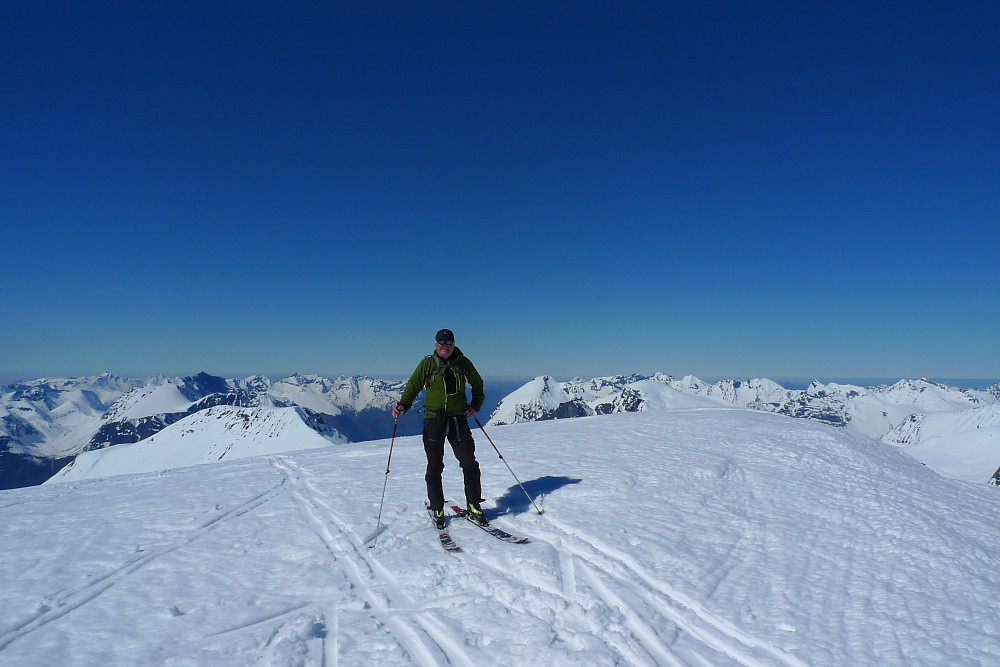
[635,642]
[641,630]
[589,573]
[567,574]
[58,605]
[688,615]
[641,635]
[550,595]
[312,630]
[368,577]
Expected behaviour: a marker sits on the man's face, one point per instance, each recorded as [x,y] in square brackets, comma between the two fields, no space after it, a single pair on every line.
[444,350]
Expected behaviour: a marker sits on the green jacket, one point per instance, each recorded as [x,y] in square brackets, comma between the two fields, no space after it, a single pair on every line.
[445,381]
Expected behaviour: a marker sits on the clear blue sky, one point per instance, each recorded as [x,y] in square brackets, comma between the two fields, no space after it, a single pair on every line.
[717,188]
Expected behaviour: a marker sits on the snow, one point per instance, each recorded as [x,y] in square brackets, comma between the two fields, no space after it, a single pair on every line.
[964,445]
[876,411]
[541,395]
[950,429]
[64,413]
[692,536]
[155,399]
[209,436]
[343,393]
[307,392]
[659,396]
[544,389]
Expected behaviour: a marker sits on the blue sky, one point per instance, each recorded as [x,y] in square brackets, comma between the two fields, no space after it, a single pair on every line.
[713,188]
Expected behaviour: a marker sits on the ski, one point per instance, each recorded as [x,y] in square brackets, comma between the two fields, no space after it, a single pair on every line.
[446,540]
[502,535]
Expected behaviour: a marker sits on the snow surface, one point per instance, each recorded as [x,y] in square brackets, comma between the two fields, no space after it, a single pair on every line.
[709,536]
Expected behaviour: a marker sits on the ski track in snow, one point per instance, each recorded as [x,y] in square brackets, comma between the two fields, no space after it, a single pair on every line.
[371,581]
[600,569]
[425,639]
[635,641]
[58,605]
[593,556]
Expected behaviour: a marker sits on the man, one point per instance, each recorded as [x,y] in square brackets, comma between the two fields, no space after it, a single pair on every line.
[446,415]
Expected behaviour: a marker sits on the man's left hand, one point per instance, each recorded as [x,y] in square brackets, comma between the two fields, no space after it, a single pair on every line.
[470,412]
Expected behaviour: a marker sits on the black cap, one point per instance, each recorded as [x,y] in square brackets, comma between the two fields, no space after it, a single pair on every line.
[444,336]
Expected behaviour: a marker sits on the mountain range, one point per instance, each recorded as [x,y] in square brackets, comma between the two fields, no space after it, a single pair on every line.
[46,424]
[953,430]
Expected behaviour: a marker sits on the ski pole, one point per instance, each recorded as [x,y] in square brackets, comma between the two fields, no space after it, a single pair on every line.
[506,464]
[378,522]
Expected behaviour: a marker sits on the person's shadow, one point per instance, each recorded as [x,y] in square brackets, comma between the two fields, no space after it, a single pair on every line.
[516,502]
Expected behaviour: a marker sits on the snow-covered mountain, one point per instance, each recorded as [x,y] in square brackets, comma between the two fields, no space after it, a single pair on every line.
[546,398]
[47,422]
[358,406]
[55,415]
[706,536]
[963,443]
[540,399]
[346,394]
[875,412]
[220,433]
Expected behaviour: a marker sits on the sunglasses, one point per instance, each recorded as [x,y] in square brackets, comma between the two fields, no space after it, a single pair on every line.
[445,342]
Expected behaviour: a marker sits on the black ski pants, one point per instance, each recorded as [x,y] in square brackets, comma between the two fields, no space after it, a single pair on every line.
[456,429]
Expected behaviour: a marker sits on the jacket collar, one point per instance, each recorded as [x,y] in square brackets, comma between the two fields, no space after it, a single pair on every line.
[455,356]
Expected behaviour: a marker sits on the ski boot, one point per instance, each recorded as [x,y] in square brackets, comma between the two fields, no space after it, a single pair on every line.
[476,516]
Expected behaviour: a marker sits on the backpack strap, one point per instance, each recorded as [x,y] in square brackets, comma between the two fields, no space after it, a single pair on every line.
[440,366]
[437,370]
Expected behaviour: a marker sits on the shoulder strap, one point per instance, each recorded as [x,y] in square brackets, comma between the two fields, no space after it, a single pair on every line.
[440,366]
[437,370]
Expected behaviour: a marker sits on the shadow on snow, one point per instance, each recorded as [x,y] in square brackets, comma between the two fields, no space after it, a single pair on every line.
[515,502]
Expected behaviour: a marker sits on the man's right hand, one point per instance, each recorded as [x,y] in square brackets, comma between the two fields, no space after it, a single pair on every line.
[398,410]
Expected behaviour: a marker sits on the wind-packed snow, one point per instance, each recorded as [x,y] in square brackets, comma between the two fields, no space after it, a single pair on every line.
[698,536]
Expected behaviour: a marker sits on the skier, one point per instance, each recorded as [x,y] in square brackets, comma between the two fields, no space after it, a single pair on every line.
[446,415]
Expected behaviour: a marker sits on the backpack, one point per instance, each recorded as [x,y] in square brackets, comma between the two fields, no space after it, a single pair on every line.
[442,367]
